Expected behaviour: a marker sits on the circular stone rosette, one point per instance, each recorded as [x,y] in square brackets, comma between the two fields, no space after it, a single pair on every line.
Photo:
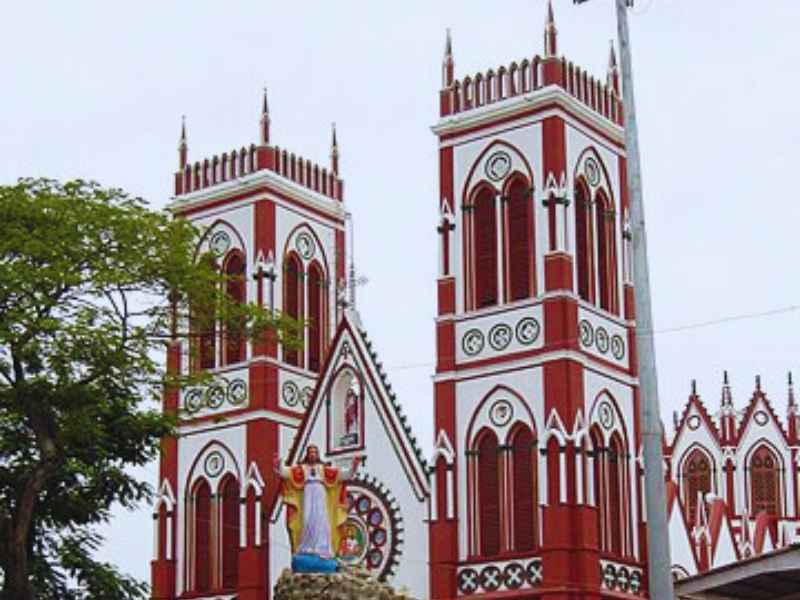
[219,243]
[290,393]
[370,535]
[472,342]
[215,396]
[618,347]
[305,245]
[500,336]
[214,464]
[193,401]
[237,392]
[498,166]
[586,333]
[528,331]
[602,339]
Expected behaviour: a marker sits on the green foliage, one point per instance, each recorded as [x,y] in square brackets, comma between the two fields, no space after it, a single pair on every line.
[93,285]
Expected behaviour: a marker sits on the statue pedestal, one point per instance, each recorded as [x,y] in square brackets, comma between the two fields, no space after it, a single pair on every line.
[309,563]
[347,584]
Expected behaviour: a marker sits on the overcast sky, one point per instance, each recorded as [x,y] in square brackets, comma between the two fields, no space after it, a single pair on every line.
[96,90]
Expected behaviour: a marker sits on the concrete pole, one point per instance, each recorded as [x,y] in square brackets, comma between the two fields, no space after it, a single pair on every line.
[658,549]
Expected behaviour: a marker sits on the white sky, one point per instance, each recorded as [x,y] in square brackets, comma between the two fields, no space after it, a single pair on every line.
[96,90]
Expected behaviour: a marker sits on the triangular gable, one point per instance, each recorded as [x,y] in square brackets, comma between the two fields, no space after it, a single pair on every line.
[693,407]
[682,548]
[723,545]
[760,400]
[352,349]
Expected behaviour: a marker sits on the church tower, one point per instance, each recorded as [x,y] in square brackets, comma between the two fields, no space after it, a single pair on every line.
[274,222]
[537,477]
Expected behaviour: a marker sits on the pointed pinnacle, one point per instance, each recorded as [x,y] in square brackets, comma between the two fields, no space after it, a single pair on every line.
[790,378]
[758,383]
[183,128]
[265,104]
[694,387]
[551,19]
[725,377]
[448,45]
[612,57]
[334,143]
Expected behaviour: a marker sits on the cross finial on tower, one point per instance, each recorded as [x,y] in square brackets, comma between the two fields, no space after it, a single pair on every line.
[550,33]
[694,387]
[183,147]
[613,69]
[448,64]
[727,400]
[758,383]
[265,120]
[791,390]
[334,150]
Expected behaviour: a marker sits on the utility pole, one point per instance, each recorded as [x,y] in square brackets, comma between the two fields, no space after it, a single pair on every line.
[658,550]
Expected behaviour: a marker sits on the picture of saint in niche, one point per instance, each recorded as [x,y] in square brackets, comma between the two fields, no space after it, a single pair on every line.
[351,418]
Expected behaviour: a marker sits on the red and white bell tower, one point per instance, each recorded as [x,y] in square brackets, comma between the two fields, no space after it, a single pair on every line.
[274,223]
[537,475]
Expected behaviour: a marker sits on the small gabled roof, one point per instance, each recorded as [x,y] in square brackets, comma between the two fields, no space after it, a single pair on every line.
[759,397]
[395,423]
[694,401]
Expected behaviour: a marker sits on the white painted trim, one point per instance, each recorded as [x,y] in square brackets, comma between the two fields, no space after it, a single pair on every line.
[194,428]
[252,181]
[509,107]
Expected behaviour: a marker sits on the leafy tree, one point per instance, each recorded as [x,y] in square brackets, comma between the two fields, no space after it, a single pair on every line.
[93,284]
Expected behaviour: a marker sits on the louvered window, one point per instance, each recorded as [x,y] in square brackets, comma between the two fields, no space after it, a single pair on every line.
[316,294]
[583,250]
[615,495]
[524,498]
[696,480]
[489,495]
[485,247]
[235,287]
[765,482]
[230,534]
[520,248]
[606,269]
[293,299]
[202,537]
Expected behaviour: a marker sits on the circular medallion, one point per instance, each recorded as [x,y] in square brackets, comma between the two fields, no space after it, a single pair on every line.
[467,581]
[693,422]
[472,342]
[214,464]
[618,347]
[534,571]
[237,392]
[500,336]
[623,578]
[491,578]
[592,171]
[761,418]
[193,401]
[305,398]
[498,165]
[636,582]
[514,576]
[528,331]
[586,333]
[606,415]
[219,243]
[370,535]
[215,396]
[602,339]
[305,245]
[290,393]
[501,413]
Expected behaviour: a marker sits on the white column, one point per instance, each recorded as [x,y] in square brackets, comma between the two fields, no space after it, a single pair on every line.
[169,535]
[242,524]
[155,535]
[258,521]
[451,492]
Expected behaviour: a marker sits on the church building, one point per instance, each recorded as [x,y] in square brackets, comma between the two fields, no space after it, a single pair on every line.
[533,484]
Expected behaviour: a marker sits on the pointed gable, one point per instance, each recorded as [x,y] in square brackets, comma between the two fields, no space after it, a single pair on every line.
[682,549]
[383,434]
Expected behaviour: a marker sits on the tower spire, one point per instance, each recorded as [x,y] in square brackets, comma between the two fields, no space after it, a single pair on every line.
[448,64]
[334,150]
[613,69]
[550,33]
[183,148]
[265,119]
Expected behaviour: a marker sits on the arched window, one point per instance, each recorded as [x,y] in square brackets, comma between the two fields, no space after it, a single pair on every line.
[520,240]
[616,478]
[293,299]
[583,242]
[485,248]
[524,529]
[765,482]
[488,495]
[205,328]
[606,269]
[316,315]
[202,537]
[696,475]
[598,460]
[230,533]
[236,290]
